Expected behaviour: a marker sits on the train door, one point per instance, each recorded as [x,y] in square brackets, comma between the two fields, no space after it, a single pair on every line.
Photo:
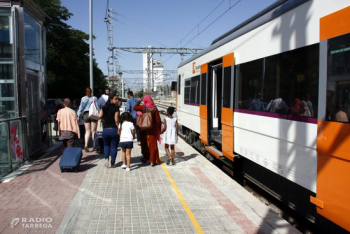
[215,104]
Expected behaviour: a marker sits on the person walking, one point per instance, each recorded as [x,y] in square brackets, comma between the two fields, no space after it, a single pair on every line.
[110,114]
[127,135]
[149,138]
[67,124]
[80,123]
[170,131]
[104,98]
[83,113]
[130,108]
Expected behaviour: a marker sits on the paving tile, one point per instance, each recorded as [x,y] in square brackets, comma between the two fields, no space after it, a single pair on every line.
[106,200]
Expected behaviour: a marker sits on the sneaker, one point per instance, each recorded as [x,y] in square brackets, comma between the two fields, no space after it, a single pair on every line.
[127,169]
[106,162]
[168,161]
[123,166]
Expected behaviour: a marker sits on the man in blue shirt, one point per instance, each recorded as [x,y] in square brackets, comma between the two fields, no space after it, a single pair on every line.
[130,108]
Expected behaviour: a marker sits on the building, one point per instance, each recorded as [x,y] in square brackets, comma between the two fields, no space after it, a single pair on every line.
[153,77]
[22,81]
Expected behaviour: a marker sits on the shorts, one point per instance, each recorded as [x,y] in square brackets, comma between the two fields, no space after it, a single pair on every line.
[86,118]
[126,145]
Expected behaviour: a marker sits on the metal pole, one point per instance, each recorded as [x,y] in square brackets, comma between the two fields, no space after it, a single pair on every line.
[91,51]
[122,88]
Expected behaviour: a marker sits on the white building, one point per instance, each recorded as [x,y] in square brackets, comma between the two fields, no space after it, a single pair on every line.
[153,77]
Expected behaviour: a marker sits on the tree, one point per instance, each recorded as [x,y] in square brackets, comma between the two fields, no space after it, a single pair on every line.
[67,55]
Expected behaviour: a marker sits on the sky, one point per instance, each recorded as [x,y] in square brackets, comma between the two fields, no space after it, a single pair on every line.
[158,23]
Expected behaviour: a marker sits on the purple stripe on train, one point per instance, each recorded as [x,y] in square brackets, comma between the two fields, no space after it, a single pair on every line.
[191,104]
[279,116]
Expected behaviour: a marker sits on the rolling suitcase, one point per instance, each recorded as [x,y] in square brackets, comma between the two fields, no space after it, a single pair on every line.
[98,142]
[70,160]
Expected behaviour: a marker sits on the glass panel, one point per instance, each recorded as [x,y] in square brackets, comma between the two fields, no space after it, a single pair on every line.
[5,34]
[187,90]
[16,142]
[249,79]
[6,71]
[32,37]
[291,82]
[227,87]
[204,89]
[286,83]
[195,90]
[4,154]
[338,82]
[179,85]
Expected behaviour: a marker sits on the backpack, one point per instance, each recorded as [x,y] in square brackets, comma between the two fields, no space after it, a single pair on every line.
[145,121]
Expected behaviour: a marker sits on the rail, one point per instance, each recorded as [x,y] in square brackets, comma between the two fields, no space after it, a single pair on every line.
[163,105]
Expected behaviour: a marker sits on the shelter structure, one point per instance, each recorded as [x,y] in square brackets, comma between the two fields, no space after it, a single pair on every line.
[22,81]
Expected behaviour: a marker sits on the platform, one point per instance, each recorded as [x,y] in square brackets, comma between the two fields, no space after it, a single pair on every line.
[192,196]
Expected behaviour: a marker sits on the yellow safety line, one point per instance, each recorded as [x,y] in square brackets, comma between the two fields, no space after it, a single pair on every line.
[184,203]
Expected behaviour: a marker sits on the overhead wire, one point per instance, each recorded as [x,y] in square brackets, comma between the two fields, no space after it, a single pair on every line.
[230,7]
[214,21]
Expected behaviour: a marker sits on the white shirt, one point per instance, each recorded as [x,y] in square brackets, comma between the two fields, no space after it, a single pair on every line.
[102,100]
[126,134]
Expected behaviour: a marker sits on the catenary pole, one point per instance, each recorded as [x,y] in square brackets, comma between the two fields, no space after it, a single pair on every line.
[91,49]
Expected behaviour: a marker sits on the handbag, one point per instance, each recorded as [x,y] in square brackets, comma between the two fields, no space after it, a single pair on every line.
[93,112]
[144,121]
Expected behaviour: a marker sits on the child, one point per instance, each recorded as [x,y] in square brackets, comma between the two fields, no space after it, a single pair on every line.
[127,135]
[170,131]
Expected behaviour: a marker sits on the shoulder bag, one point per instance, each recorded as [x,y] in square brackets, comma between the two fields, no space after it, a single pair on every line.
[93,112]
[145,121]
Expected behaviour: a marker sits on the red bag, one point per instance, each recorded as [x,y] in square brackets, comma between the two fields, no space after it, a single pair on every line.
[145,121]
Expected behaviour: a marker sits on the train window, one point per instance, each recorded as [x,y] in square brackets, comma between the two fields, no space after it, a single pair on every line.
[227,87]
[338,81]
[194,99]
[204,89]
[286,83]
[187,90]
[291,82]
[179,85]
[249,83]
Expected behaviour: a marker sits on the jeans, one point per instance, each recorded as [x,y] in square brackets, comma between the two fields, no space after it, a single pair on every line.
[111,140]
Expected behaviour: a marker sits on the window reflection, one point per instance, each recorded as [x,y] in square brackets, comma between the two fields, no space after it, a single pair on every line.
[5,35]
[32,37]
[338,82]
[286,83]
[7,92]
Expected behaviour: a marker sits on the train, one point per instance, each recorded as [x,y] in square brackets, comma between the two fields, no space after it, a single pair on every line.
[272,97]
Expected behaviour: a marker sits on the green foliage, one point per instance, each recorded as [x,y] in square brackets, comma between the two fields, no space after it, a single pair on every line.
[68,72]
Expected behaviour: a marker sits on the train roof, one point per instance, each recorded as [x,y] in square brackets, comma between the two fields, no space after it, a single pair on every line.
[269,13]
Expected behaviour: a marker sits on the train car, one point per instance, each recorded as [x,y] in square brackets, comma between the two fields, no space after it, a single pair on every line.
[272,96]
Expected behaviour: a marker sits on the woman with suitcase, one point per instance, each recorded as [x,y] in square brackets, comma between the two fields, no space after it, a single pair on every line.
[110,114]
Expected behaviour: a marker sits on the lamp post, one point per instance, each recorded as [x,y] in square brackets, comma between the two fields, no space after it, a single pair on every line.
[91,47]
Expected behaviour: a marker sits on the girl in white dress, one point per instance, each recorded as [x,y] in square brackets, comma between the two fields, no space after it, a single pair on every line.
[170,131]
